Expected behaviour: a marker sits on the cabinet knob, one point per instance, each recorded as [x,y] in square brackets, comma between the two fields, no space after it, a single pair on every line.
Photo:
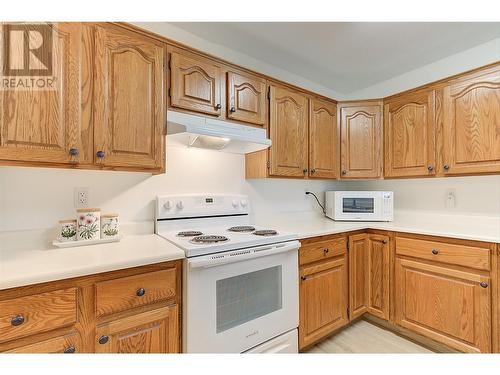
[385,242]
[100,154]
[435,251]
[140,292]
[103,339]
[326,251]
[232,109]
[70,349]
[303,278]
[483,284]
[218,106]
[344,172]
[304,170]
[74,151]
[446,167]
[430,168]
[313,170]
[17,320]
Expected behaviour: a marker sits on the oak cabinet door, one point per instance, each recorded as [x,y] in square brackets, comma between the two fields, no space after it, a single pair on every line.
[378,276]
[70,343]
[195,84]
[288,129]
[129,110]
[154,331]
[323,300]
[246,98]
[444,304]
[471,125]
[361,141]
[323,144]
[358,275]
[409,129]
[43,125]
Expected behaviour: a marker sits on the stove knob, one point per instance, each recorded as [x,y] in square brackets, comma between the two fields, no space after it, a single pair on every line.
[243,203]
[180,205]
[235,203]
[168,205]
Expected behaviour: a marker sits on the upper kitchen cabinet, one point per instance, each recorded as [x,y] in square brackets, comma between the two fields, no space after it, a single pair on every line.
[195,83]
[409,134]
[323,141]
[129,114]
[246,98]
[471,123]
[44,125]
[288,131]
[360,139]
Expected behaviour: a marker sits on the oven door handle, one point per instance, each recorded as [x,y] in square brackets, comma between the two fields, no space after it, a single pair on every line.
[242,254]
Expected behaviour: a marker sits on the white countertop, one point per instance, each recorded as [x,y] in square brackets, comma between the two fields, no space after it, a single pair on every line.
[469,227]
[23,267]
[27,258]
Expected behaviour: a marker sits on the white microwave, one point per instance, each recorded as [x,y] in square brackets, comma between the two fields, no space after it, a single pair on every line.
[360,205]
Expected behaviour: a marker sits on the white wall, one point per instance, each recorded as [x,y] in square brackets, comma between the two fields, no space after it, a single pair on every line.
[475,195]
[36,198]
[475,57]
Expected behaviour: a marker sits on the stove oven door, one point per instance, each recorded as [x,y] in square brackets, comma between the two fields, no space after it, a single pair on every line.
[236,300]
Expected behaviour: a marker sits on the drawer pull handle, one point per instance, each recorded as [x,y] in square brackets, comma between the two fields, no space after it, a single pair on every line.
[140,292]
[103,339]
[70,349]
[435,252]
[326,251]
[483,284]
[17,320]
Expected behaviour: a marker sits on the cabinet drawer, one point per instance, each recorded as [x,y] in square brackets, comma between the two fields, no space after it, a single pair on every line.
[70,343]
[37,313]
[128,292]
[460,255]
[315,251]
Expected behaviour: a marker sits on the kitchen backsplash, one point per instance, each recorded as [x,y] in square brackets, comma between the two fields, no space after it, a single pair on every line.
[36,198]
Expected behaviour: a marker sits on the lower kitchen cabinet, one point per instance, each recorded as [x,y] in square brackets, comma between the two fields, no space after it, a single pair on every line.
[369,275]
[134,310]
[323,300]
[155,331]
[323,288]
[69,343]
[445,304]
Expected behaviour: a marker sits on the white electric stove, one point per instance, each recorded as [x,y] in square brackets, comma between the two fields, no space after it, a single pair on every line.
[240,280]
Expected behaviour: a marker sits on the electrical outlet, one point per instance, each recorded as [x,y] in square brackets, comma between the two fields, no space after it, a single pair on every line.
[81,197]
[450,199]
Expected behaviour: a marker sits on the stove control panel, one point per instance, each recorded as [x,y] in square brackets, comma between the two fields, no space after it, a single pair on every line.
[198,205]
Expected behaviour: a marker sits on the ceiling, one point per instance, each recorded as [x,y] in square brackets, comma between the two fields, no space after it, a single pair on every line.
[346,57]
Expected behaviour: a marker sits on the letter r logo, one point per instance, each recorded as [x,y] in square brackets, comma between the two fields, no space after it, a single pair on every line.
[27,49]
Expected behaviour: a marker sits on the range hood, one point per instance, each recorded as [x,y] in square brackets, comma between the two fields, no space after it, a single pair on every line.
[202,132]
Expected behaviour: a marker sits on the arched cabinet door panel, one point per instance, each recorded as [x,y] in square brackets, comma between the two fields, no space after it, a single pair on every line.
[246,98]
[409,134]
[471,124]
[195,84]
[129,115]
[288,130]
[361,140]
[323,141]
[42,123]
